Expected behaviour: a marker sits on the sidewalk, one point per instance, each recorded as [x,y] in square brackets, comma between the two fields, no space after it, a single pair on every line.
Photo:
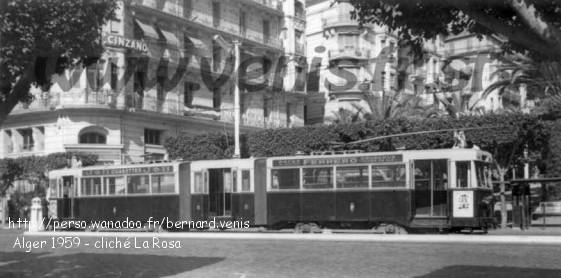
[532,231]
[552,227]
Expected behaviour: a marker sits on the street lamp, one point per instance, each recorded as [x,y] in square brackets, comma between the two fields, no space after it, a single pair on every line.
[236,46]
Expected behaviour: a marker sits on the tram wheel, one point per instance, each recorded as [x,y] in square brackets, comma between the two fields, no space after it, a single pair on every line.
[395,229]
[314,228]
[307,228]
[389,228]
[300,228]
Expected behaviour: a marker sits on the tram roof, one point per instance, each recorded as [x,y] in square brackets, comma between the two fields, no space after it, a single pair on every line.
[458,153]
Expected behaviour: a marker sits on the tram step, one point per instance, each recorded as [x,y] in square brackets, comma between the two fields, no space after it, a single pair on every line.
[429,222]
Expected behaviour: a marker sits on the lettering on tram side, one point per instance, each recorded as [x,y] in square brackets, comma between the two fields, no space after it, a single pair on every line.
[339,160]
[125,171]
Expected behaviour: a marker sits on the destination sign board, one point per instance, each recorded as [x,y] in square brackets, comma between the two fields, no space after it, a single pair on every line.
[463,204]
[128,171]
[322,161]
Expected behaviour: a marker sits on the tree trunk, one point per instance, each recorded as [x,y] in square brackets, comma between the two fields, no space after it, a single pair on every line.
[524,38]
[529,15]
[504,213]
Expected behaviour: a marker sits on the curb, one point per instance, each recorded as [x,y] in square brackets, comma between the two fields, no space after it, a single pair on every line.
[466,239]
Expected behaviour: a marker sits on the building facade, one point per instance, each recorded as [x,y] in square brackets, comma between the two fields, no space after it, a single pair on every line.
[352,61]
[358,64]
[164,73]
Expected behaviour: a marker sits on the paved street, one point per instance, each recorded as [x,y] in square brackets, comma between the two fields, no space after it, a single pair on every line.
[282,258]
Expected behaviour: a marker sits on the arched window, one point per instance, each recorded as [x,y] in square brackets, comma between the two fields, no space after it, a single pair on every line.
[93,135]
[298,9]
[92,138]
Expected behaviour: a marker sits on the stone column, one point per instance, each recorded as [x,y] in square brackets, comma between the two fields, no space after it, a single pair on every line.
[38,139]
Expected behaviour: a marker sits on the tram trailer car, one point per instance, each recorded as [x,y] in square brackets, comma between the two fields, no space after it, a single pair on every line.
[443,189]
[165,192]
[120,192]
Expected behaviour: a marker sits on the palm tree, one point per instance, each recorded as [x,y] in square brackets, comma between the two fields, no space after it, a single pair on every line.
[388,104]
[456,103]
[541,79]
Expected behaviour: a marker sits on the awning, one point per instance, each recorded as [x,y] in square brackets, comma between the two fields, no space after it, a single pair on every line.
[171,38]
[147,29]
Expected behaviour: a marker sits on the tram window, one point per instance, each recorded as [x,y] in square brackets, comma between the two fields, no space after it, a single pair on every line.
[137,184]
[388,176]
[246,183]
[316,178]
[483,175]
[352,177]
[199,183]
[163,183]
[53,192]
[115,185]
[91,186]
[463,174]
[229,179]
[285,179]
[422,175]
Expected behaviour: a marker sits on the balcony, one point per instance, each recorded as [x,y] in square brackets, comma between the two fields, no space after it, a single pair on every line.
[52,101]
[300,48]
[206,25]
[44,102]
[349,53]
[339,21]
[299,23]
[270,5]
[418,75]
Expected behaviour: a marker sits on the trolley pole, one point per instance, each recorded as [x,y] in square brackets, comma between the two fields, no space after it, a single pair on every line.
[236,99]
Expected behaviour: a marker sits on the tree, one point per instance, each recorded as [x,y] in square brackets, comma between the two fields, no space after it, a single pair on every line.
[37,33]
[35,169]
[529,26]
[9,172]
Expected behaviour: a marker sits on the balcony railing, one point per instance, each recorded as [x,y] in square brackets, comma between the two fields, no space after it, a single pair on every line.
[102,97]
[139,103]
[349,52]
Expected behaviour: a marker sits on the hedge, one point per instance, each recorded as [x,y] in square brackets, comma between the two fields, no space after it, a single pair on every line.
[504,135]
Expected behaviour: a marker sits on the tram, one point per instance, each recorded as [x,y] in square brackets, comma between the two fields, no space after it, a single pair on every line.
[444,189]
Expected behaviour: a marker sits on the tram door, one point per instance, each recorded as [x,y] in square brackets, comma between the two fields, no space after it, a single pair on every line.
[431,183]
[67,189]
[220,183]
